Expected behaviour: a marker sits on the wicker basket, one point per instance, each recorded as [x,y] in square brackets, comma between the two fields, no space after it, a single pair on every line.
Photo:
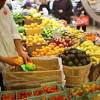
[76,75]
[28,22]
[34,31]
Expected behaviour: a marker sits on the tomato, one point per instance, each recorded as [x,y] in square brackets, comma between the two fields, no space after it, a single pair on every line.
[38,92]
[23,95]
[8,97]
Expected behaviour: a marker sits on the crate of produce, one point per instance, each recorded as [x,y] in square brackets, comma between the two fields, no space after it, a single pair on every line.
[30,21]
[57,96]
[42,97]
[52,87]
[21,94]
[8,95]
[89,91]
[39,93]
[46,66]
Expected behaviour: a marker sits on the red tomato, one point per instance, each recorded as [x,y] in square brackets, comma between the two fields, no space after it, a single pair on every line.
[8,97]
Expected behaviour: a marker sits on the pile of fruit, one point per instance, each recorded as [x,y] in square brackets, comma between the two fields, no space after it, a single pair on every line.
[91,49]
[29,66]
[36,39]
[95,37]
[33,28]
[85,90]
[75,32]
[74,57]
[49,50]
[34,14]
[64,42]
[91,37]
[49,31]
[51,23]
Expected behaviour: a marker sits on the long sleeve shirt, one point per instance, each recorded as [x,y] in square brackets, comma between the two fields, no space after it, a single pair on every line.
[8,33]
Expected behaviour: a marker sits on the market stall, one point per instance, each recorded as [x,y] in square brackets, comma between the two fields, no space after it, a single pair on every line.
[64,61]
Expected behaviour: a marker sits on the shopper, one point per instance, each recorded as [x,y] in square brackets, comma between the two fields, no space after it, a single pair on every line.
[10,41]
[80,14]
[62,9]
[44,7]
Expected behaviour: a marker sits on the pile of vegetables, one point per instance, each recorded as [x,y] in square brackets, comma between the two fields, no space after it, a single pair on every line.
[19,18]
[75,57]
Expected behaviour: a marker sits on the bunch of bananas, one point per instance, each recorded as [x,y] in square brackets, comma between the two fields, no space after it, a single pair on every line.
[92,50]
[75,32]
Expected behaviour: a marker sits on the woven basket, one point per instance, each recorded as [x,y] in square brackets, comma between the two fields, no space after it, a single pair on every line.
[34,31]
[76,75]
[28,22]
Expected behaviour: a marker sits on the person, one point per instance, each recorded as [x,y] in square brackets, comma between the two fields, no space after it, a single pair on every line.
[44,7]
[62,9]
[80,11]
[74,4]
[10,42]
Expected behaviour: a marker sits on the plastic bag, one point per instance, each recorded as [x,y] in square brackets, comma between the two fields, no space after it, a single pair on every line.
[82,20]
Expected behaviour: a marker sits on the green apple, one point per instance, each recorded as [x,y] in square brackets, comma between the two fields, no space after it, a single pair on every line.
[30,66]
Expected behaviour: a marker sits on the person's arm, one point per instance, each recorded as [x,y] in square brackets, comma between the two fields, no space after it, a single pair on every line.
[17,40]
[11,61]
[21,51]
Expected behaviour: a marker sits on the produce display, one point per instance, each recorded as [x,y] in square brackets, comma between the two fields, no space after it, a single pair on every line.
[49,50]
[49,91]
[36,39]
[86,90]
[34,14]
[33,28]
[9,96]
[19,18]
[75,32]
[74,57]
[59,96]
[93,36]
[50,37]
[91,49]
[64,42]
[48,32]
[47,22]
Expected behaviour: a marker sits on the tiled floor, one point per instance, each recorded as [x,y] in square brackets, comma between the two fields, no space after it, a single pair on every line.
[93,29]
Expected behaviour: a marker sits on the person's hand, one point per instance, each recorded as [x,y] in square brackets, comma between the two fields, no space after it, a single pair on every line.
[25,56]
[14,61]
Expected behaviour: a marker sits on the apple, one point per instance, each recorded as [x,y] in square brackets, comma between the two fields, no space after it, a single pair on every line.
[61,45]
[30,66]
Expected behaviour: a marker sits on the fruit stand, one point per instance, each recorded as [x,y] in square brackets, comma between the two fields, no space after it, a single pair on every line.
[62,58]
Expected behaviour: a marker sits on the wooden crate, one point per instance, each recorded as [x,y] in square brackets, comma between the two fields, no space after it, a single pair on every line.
[49,69]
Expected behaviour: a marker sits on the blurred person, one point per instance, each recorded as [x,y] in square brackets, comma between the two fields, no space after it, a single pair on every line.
[44,7]
[10,42]
[80,11]
[74,4]
[62,9]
